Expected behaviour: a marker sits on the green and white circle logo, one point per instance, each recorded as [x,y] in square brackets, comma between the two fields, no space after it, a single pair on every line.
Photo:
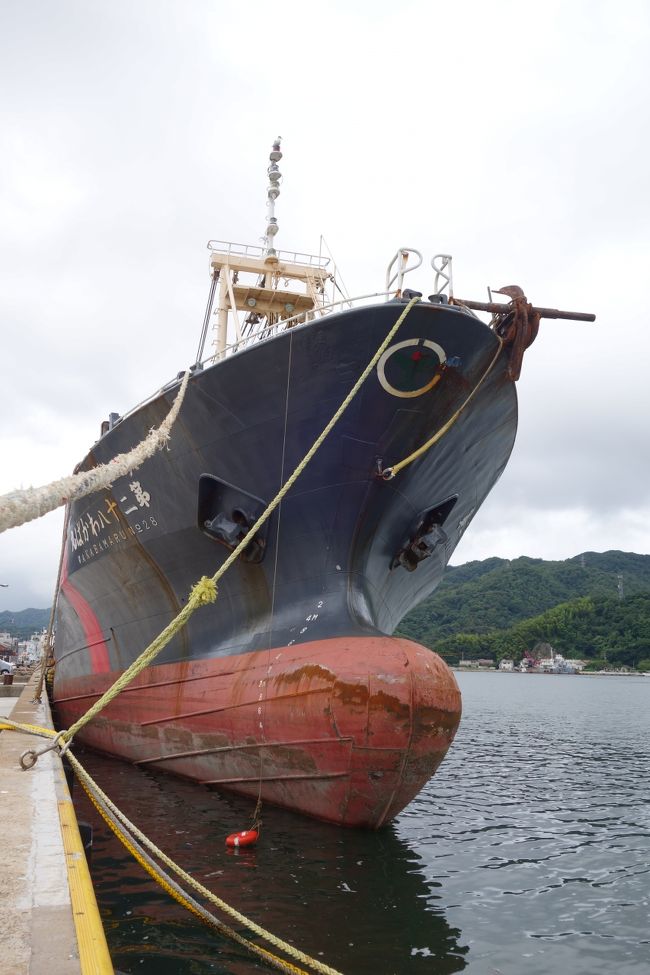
[411,368]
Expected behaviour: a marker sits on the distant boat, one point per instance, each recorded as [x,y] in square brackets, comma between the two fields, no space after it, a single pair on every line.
[291,686]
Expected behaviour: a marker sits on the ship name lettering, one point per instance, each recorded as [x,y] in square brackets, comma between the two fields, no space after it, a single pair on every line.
[98,529]
[141,496]
[91,524]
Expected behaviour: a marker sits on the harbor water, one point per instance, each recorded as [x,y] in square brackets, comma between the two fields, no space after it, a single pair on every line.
[528,852]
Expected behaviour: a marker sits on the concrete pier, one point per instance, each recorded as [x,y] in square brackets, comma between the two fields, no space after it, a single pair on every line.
[50,920]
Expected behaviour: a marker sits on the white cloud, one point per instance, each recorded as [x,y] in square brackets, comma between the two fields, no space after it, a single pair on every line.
[513,135]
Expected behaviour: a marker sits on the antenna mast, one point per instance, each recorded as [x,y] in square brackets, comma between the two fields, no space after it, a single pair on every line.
[272,194]
[285,287]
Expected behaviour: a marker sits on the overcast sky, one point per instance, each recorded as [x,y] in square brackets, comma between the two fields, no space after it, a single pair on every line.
[513,135]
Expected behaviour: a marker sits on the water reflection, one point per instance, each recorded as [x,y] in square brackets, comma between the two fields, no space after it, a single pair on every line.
[538,825]
[357,900]
[528,852]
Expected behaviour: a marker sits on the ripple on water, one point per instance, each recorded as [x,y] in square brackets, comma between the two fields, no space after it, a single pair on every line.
[528,852]
[557,806]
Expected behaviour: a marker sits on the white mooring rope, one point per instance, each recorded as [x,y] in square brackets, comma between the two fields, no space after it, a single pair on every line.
[19,507]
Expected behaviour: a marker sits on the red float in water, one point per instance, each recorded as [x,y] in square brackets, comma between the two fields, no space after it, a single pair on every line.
[247,837]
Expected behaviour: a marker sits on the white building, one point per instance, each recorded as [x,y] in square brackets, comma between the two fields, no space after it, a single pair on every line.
[577,666]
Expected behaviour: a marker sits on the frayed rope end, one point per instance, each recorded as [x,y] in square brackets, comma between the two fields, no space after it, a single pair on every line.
[203,592]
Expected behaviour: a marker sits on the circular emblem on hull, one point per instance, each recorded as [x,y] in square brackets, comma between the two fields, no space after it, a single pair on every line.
[411,368]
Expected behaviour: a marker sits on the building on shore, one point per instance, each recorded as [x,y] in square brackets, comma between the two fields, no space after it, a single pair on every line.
[482,664]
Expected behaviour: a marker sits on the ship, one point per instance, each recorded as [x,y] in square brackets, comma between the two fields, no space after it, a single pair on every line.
[292,688]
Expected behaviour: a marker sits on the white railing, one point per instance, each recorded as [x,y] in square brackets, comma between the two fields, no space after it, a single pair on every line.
[269,331]
[401,259]
[262,335]
[252,250]
[443,281]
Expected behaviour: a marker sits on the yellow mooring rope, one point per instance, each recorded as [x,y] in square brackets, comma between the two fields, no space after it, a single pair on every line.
[389,472]
[205,590]
[174,890]
[129,834]
[47,645]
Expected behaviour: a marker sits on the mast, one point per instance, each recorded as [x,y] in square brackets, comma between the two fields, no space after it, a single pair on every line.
[267,286]
[272,194]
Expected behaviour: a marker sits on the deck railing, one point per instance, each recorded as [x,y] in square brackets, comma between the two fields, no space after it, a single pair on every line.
[270,331]
[252,250]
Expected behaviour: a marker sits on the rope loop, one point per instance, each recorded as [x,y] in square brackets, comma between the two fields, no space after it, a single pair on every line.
[28,759]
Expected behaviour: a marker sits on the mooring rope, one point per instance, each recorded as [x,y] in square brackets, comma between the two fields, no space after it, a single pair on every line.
[19,507]
[174,890]
[131,833]
[47,644]
[205,590]
[388,473]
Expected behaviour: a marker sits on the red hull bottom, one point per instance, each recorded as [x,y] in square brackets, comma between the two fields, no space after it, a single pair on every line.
[347,730]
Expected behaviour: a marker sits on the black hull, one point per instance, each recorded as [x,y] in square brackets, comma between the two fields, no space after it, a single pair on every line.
[134,552]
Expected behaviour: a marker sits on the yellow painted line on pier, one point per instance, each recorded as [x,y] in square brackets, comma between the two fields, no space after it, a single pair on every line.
[51,923]
[94,958]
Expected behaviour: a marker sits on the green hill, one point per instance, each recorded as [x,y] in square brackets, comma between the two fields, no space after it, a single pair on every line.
[22,623]
[498,608]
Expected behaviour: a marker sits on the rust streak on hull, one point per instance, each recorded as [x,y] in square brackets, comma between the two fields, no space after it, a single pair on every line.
[346,729]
